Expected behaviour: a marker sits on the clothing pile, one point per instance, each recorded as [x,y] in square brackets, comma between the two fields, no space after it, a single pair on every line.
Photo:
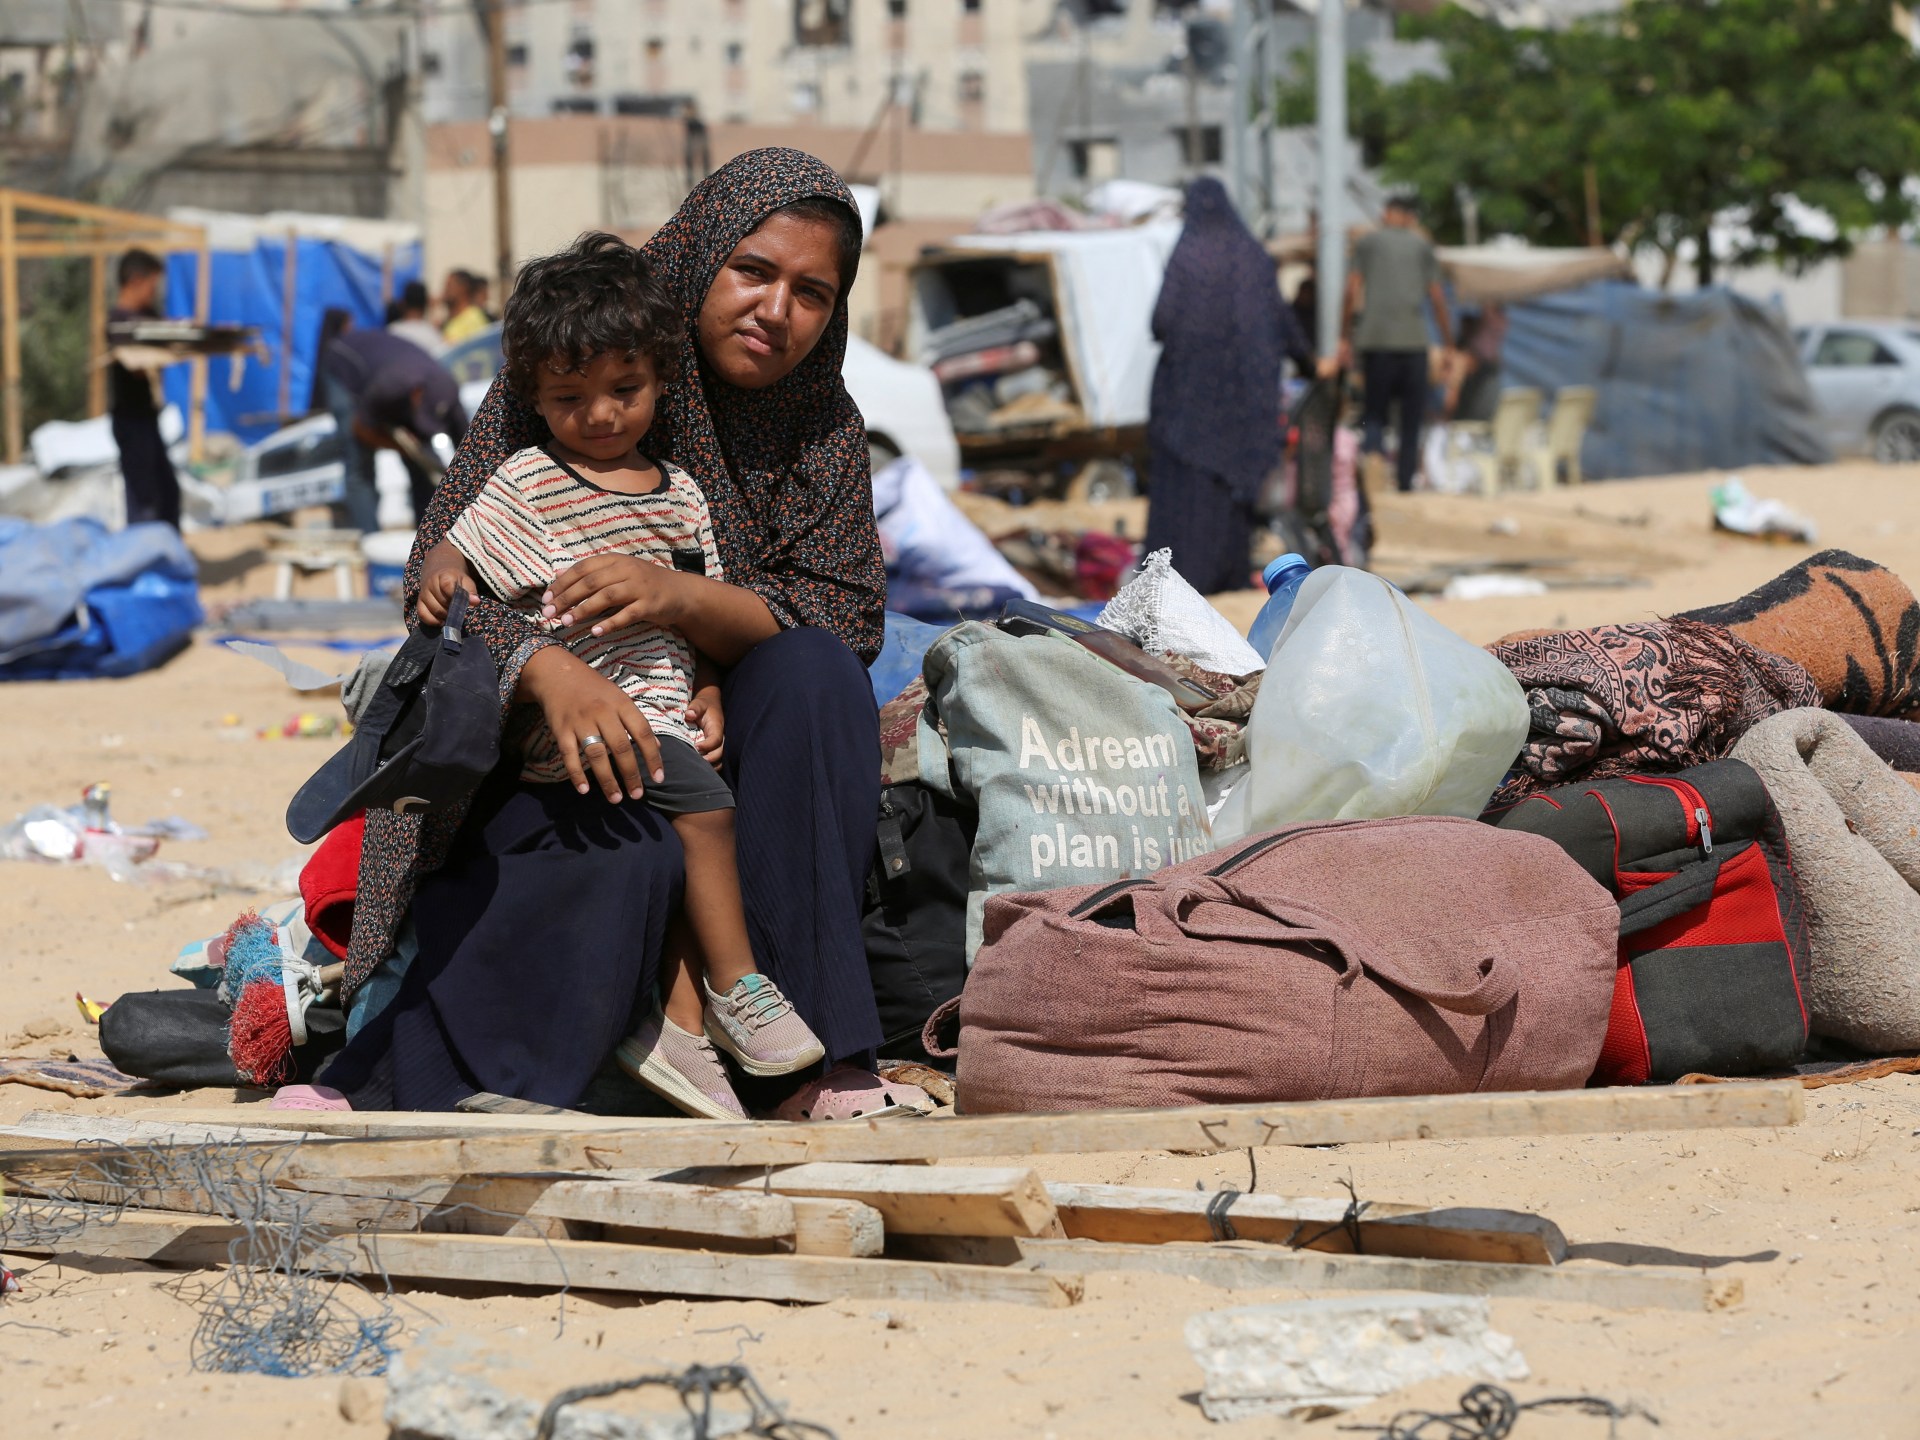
[1636,853]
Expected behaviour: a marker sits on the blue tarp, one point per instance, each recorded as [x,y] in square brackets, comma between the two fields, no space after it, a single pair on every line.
[78,600]
[1707,381]
[249,289]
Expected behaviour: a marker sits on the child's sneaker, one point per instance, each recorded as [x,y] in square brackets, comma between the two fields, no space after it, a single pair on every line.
[758,1026]
[682,1069]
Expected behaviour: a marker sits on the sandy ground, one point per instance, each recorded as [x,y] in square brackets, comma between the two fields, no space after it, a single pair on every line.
[1820,1220]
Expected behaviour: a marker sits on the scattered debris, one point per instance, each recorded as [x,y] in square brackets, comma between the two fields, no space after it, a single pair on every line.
[88,834]
[1311,1357]
[1492,587]
[1488,1412]
[1737,510]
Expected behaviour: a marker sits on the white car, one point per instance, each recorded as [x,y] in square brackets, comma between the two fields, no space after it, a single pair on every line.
[1865,375]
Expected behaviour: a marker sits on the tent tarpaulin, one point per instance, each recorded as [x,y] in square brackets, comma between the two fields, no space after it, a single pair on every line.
[1707,381]
[352,264]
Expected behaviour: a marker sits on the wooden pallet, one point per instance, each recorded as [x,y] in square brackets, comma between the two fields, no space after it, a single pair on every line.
[817,1212]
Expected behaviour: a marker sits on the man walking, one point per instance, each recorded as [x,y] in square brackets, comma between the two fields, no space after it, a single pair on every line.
[1395,275]
[153,490]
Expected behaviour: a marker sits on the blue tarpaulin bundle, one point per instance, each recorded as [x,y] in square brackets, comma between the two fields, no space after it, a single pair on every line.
[79,601]
[249,288]
[1708,381]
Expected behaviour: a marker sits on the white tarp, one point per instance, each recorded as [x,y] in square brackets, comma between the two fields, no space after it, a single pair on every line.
[1107,281]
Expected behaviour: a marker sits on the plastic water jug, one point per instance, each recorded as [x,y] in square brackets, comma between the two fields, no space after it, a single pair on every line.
[1370,707]
[1283,578]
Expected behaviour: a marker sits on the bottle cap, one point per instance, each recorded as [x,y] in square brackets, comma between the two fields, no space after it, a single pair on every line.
[1277,568]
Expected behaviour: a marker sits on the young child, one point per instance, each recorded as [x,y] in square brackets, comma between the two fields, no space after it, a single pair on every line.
[590,339]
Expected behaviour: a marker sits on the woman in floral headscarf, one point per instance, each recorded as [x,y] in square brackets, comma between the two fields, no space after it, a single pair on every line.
[760,257]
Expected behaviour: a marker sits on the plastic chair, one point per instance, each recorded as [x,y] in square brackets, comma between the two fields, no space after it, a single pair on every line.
[1566,429]
[1518,413]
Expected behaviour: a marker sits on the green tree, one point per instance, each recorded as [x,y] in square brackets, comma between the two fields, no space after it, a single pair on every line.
[53,340]
[1797,121]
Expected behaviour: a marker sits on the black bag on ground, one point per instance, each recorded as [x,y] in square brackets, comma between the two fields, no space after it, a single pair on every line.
[179,1038]
[915,919]
[1713,935]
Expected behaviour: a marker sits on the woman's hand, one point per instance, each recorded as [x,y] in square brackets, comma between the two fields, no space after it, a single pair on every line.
[612,591]
[581,704]
[704,715]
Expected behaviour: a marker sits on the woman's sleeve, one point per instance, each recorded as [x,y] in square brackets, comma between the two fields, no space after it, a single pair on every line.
[830,572]
[502,427]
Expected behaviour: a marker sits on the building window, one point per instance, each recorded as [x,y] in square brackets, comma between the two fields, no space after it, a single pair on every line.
[823,22]
[805,98]
[1209,147]
[973,87]
[897,9]
[517,55]
[970,7]
[1094,160]
[736,53]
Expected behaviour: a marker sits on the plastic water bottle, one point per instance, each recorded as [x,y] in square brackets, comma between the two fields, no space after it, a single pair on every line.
[1283,578]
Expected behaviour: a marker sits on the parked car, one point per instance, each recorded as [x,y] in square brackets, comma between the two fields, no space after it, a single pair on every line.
[1865,375]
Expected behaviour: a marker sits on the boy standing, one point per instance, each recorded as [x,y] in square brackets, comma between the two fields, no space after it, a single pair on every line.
[153,490]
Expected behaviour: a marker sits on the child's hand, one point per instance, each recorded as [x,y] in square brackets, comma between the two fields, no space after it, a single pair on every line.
[441,579]
[704,713]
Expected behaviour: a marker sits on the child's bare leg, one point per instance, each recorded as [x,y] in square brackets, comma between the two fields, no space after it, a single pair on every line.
[680,978]
[746,1015]
[712,907]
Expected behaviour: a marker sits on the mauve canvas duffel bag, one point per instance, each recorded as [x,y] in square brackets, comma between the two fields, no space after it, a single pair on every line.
[1409,956]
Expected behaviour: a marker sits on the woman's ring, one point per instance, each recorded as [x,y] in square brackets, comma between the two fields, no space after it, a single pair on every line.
[586,740]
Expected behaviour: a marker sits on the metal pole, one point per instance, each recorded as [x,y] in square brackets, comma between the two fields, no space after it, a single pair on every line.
[10,328]
[497,127]
[1331,118]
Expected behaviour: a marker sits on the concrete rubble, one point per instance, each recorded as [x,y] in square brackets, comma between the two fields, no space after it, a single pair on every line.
[1315,1356]
[452,1386]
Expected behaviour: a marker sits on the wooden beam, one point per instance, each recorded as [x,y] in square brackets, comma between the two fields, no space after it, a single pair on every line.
[579,1265]
[197,384]
[837,1227]
[639,1204]
[10,330]
[1262,1267]
[912,1199]
[1128,1214]
[65,249]
[1201,1129]
[97,335]
[33,203]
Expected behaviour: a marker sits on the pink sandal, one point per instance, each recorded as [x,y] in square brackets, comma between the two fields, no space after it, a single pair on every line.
[308,1097]
[848,1093]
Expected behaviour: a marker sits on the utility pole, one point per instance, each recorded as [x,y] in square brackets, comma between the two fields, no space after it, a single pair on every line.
[1330,116]
[496,11]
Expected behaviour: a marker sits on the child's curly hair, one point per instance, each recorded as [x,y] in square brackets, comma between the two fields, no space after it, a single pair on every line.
[596,297]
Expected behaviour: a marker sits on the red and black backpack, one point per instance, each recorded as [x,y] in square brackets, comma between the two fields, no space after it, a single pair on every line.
[1713,936]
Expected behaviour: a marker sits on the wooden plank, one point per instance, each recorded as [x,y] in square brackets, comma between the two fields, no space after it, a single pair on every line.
[912,1199]
[584,1265]
[402,1124]
[197,373]
[1239,1266]
[97,335]
[1202,1129]
[639,1204]
[351,1212]
[1131,1215]
[84,1126]
[33,203]
[837,1227]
